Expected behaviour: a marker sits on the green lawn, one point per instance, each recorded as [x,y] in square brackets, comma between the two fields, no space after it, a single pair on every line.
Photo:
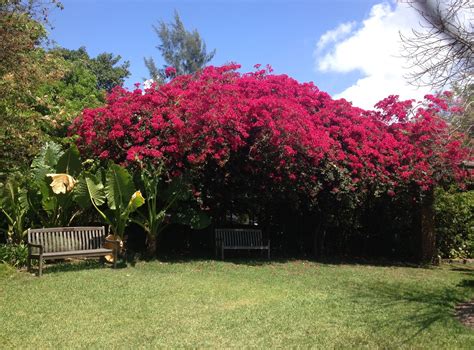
[235,304]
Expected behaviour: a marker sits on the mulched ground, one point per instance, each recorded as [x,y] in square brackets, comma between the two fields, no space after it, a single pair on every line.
[465,313]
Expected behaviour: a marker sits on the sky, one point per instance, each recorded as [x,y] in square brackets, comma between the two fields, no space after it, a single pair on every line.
[349,48]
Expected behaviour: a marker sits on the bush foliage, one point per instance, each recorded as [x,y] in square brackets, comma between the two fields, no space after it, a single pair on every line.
[455,223]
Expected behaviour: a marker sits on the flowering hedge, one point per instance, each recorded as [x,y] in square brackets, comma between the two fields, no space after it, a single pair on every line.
[271,127]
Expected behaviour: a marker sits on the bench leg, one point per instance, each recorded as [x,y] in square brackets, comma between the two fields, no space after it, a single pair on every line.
[222,253]
[115,258]
[40,265]
[28,264]
[268,253]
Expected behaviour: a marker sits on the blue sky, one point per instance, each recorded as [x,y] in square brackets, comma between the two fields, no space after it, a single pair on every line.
[281,33]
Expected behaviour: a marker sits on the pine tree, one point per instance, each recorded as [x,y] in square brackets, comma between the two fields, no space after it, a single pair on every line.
[183,50]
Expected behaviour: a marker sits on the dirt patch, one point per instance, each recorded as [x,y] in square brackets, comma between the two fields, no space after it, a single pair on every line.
[465,313]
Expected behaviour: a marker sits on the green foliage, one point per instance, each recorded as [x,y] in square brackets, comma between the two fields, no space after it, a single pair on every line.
[15,255]
[194,218]
[21,28]
[89,190]
[167,202]
[181,49]
[70,162]
[152,221]
[105,67]
[108,74]
[454,214]
[115,188]
[24,66]
[59,101]
[42,90]
[53,209]
[14,206]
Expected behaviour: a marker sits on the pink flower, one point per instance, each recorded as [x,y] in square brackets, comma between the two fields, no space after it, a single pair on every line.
[271,127]
[170,71]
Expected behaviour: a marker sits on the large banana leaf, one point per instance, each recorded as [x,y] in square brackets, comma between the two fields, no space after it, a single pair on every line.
[70,162]
[89,187]
[118,192]
[119,187]
[53,209]
[47,159]
[45,162]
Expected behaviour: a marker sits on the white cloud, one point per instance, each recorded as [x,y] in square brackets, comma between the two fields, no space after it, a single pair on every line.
[374,50]
[334,35]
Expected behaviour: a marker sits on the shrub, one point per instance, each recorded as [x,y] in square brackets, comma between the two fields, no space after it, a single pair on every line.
[260,132]
[454,214]
[15,255]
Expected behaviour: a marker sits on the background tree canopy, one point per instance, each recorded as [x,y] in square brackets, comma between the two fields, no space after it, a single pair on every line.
[181,49]
[42,90]
[105,67]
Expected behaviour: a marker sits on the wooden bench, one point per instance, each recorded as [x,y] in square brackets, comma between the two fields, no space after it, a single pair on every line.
[68,242]
[240,238]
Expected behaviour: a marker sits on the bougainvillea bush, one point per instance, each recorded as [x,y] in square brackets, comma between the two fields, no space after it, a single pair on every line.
[256,141]
[271,126]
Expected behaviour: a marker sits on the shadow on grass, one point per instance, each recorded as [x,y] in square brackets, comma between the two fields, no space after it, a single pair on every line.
[381,262]
[254,260]
[469,271]
[77,265]
[469,283]
[233,260]
[426,307]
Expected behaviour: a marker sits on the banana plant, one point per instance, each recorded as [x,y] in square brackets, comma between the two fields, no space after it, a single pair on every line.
[152,219]
[14,206]
[162,198]
[53,174]
[114,189]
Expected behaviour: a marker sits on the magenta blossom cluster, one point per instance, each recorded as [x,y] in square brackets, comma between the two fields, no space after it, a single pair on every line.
[276,128]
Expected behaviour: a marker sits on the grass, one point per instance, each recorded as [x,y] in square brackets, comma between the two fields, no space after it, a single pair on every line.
[235,304]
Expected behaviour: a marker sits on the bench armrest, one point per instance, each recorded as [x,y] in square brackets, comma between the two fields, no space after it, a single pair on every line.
[32,245]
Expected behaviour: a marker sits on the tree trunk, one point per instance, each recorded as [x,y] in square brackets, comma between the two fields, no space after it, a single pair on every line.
[151,246]
[428,249]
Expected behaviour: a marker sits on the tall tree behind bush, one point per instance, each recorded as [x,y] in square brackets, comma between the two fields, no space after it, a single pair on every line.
[181,49]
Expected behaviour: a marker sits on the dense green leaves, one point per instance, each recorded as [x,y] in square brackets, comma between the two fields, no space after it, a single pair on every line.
[14,206]
[70,162]
[106,68]
[42,90]
[454,214]
[116,190]
[119,186]
[89,188]
[46,160]
[50,208]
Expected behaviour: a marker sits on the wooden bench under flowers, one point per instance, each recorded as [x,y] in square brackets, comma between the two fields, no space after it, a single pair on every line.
[69,242]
